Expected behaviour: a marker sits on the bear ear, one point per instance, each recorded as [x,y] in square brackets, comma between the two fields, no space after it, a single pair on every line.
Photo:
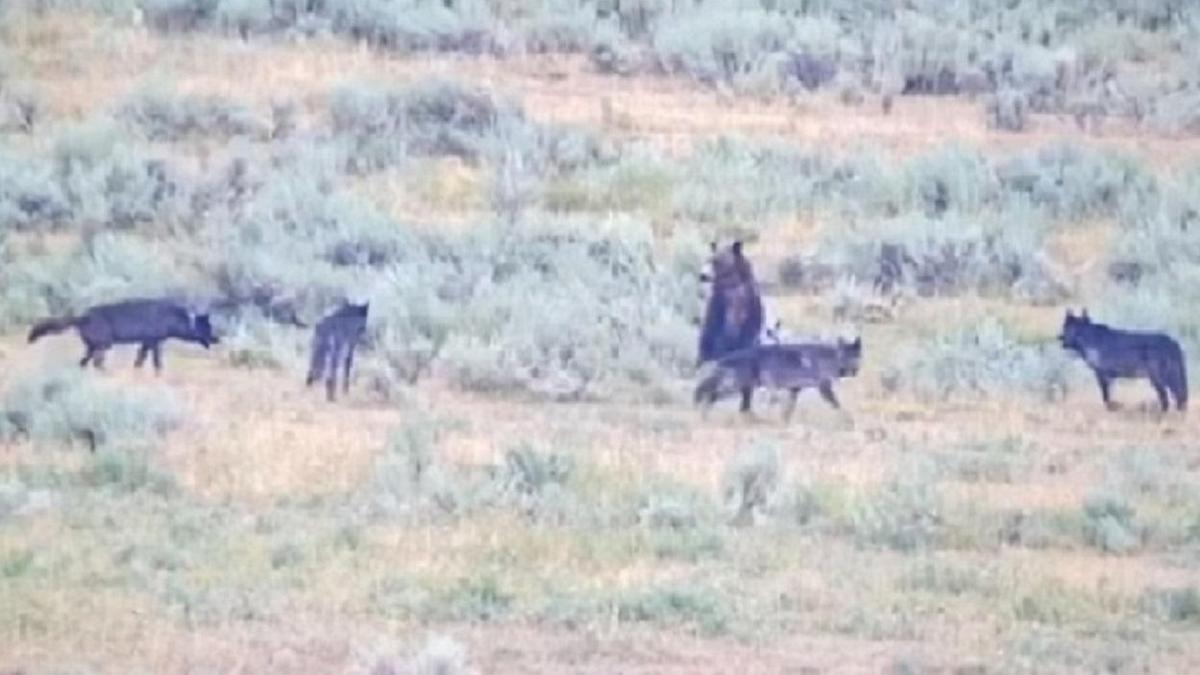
[737,248]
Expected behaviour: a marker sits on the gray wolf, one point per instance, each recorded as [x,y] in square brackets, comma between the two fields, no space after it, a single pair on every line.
[1112,353]
[144,321]
[334,340]
[781,366]
[733,317]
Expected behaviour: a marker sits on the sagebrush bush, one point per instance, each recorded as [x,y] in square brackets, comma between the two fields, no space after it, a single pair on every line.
[981,360]
[946,256]
[30,196]
[66,406]
[906,514]
[752,477]
[108,184]
[432,117]
[1110,523]
[162,115]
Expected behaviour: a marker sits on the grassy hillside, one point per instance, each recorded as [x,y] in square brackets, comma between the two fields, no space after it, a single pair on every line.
[517,481]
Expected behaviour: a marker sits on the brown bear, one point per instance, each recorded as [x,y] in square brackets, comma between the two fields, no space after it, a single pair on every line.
[733,318]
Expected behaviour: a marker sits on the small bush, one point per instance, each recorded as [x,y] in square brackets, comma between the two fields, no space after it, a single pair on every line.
[698,608]
[1007,110]
[673,508]
[751,479]
[1177,605]
[162,115]
[30,197]
[717,45]
[65,406]
[1109,524]
[432,117]
[905,515]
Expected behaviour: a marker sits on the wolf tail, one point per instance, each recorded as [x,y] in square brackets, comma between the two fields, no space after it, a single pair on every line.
[51,326]
[712,387]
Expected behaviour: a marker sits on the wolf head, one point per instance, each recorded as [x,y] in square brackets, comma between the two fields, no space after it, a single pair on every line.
[849,357]
[350,309]
[203,331]
[1073,329]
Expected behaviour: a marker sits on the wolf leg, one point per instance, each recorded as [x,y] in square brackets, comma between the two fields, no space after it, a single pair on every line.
[316,365]
[790,408]
[1160,389]
[87,357]
[346,371]
[747,400]
[98,358]
[331,373]
[156,354]
[826,389]
[143,351]
[1105,386]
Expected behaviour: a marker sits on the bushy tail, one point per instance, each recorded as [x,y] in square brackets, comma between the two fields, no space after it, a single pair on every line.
[51,326]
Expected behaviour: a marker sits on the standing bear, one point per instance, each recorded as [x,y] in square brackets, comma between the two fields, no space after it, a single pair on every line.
[733,318]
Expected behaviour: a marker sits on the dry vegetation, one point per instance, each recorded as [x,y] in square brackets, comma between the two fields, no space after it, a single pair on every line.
[964,522]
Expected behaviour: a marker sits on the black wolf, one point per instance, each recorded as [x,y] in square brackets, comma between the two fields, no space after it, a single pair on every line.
[781,366]
[1113,354]
[733,318]
[146,321]
[334,340]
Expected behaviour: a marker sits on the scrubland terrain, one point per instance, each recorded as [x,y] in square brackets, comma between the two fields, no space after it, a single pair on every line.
[517,481]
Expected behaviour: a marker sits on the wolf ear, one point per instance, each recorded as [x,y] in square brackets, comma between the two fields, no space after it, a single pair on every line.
[1070,314]
[1084,315]
[712,246]
[737,248]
